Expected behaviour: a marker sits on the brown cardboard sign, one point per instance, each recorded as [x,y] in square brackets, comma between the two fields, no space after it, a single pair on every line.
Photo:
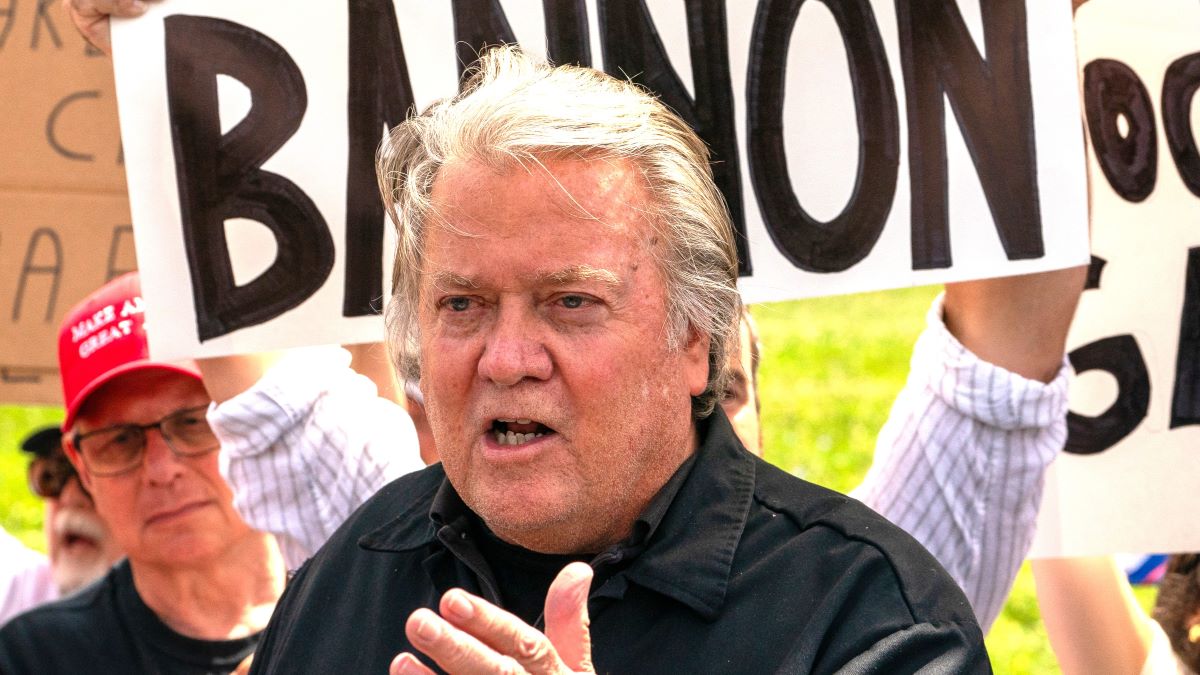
[59,119]
[64,214]
[55,247]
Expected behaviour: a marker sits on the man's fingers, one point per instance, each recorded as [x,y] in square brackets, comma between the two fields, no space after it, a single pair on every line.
[456,651]
[91,18]
[501,631]
[567,616]
[407,664]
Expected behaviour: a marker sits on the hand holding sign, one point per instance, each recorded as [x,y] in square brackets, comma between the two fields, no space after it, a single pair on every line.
[476,636]
[91,17]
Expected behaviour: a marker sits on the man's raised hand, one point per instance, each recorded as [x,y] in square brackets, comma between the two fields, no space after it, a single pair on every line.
[474,636]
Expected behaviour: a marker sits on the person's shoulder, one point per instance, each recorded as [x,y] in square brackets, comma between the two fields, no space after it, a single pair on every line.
[72,625]
[851,536]
[75,610]
[406,498]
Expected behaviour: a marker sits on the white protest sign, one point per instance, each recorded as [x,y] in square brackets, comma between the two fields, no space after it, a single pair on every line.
[861,145]
[1128,478]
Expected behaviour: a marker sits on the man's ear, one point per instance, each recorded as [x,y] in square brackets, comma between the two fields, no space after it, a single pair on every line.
[72,454]
[695,358]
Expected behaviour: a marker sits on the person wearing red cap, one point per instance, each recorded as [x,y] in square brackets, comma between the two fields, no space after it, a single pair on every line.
[198,584]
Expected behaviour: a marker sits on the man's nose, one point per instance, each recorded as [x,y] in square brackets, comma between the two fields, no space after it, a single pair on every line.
[514,349]
[161,465]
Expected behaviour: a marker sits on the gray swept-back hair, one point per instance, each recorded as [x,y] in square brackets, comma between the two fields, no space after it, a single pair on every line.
[515,109]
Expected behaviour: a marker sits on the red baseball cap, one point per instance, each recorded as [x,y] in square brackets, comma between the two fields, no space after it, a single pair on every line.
[103,337]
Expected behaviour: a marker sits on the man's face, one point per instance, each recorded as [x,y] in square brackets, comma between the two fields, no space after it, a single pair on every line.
[169,510]
[78,542]
[543,315]
[739,402]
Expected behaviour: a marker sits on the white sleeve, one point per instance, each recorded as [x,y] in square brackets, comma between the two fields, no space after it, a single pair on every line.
[960,462]
[25,580]
[309,443]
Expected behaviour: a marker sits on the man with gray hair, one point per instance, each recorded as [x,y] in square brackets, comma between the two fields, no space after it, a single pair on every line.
[566,293]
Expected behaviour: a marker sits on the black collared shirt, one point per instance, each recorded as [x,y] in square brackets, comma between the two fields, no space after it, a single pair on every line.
[735,567]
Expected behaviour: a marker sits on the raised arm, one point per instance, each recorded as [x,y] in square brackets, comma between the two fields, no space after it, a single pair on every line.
[1017,323]
[1094,623]
[304,441]
[959,463]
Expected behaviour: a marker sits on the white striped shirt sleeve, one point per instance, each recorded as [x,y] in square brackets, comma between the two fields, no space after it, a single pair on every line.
[308,444]
[960,462]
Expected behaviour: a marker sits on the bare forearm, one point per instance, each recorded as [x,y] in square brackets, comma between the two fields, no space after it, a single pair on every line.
[372,359]
[228,376]
[1018,323]
[1094,623]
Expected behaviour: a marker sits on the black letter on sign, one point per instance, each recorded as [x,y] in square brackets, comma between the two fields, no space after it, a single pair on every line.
[1095,270]
[567,32]
[994,108]
[1185,404]
[115,268]
[632,48]
[477,24]
[1120,356]
[52,124]
[810,244]
[380,97]
[219,176]
[54,269]
[1179,88]
[7,12]
[1112,92]
[40,18]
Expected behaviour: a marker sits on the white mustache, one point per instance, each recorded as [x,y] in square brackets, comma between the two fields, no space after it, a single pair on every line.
[79,523]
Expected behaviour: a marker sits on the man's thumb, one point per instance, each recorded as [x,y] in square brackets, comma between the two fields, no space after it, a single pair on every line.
[567,616]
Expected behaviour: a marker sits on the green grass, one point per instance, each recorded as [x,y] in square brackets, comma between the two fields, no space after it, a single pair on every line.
[831,368]
[20,511]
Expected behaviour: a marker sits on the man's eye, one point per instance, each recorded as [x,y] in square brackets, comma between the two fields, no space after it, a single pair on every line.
[572,301]
[459,304]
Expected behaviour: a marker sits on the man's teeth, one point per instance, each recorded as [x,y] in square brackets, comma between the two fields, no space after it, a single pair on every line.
[510,438]
[515,421]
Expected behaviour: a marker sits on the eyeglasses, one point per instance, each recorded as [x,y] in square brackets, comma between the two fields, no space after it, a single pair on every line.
[49,475]
[119,449]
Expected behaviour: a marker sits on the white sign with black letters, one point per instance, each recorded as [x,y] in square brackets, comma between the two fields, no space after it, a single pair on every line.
[860,145]
[1127,479]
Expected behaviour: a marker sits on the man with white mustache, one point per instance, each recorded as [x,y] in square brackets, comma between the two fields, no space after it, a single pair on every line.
[79,546]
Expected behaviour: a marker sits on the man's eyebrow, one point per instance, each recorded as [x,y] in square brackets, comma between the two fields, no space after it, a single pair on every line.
[577,273]
[445,279]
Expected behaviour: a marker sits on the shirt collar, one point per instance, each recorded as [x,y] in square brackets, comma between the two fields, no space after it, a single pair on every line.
[685,539]
[689,555]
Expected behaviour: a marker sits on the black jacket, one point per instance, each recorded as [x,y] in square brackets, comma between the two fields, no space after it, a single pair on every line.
[737,567]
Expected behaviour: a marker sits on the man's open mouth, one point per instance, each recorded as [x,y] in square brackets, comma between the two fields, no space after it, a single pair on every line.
[517,431]
[78,540]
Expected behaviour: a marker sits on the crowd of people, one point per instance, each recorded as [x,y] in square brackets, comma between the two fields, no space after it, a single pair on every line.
[567,474]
